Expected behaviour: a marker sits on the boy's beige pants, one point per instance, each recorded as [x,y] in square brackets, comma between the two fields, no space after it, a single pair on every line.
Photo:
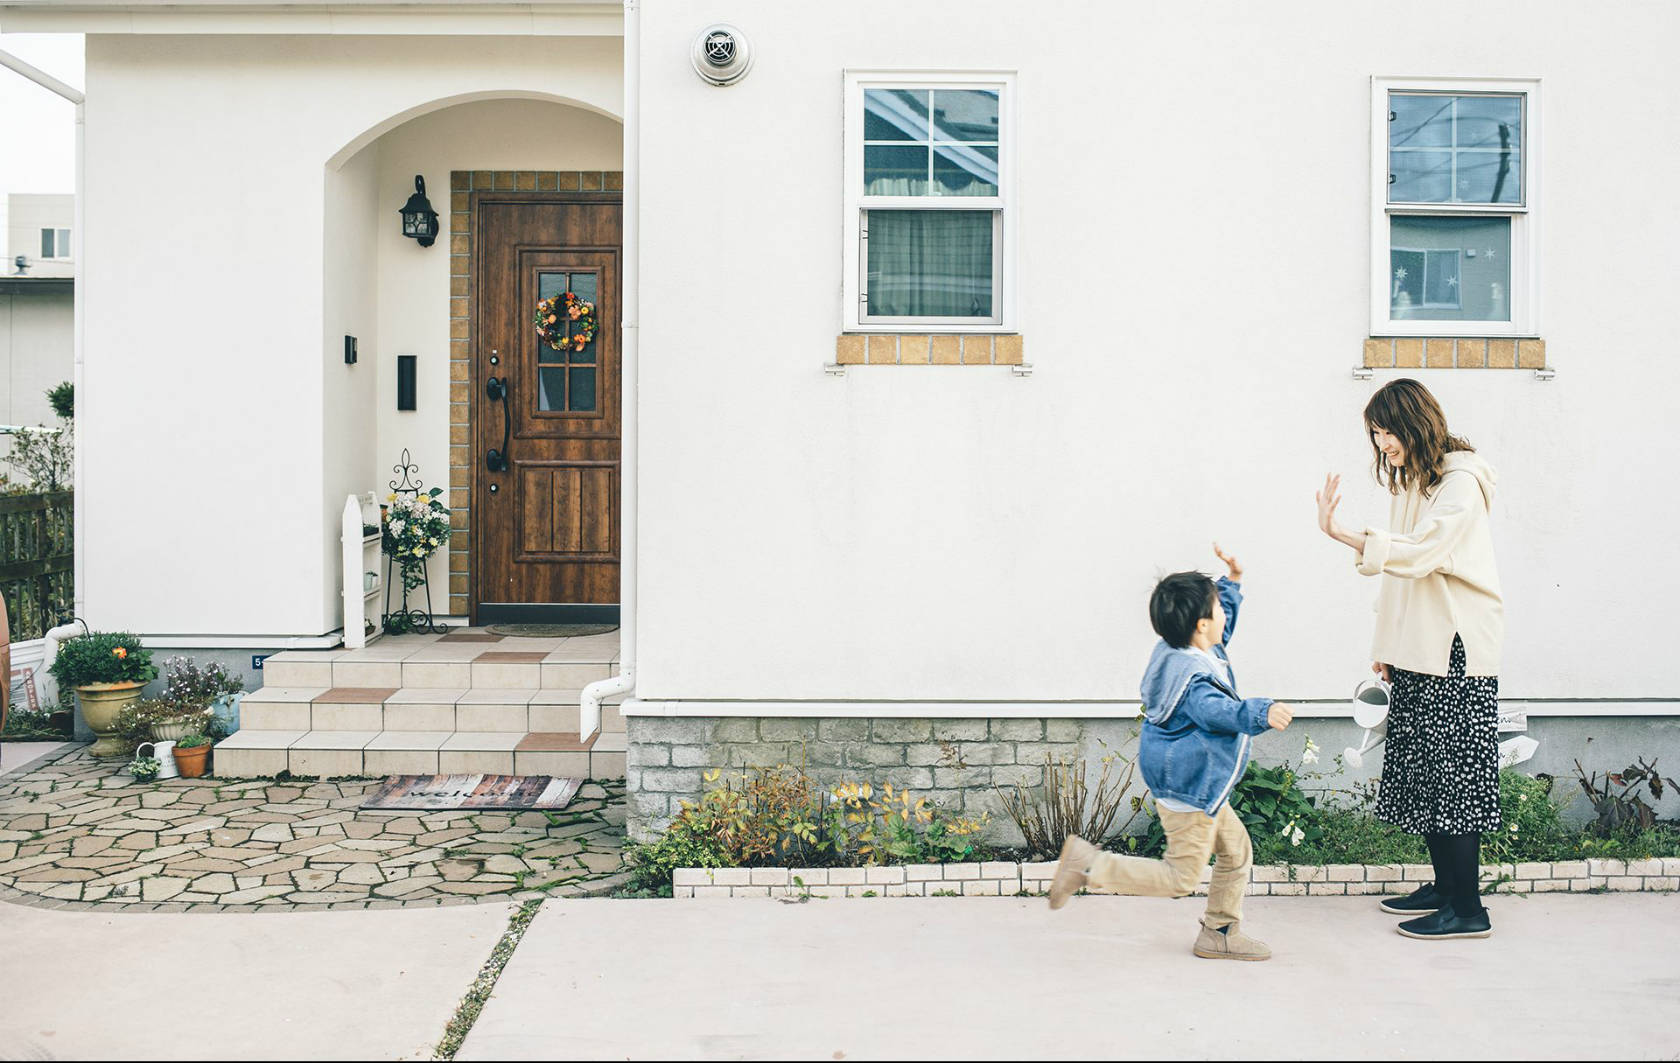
[1191,837]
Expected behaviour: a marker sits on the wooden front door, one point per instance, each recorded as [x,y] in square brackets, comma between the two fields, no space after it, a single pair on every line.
[546,422]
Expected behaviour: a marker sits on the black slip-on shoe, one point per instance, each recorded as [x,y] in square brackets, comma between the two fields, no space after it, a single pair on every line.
[1420,901]
[1446,924]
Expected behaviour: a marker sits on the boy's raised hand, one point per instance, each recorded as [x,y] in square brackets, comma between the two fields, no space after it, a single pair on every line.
[1231,564]
[1279,715]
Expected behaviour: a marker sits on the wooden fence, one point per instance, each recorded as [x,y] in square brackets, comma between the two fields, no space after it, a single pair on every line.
[37,560]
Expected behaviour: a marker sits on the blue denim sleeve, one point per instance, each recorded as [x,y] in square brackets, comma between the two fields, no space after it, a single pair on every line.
[1230,599]
[1217,712]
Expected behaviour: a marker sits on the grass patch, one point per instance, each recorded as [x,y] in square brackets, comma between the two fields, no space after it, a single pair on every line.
[473,1003]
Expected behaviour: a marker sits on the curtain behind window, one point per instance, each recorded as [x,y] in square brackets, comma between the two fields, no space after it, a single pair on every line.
[930,263]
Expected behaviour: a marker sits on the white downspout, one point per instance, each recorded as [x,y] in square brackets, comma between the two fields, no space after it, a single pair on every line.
[589,703]
[78,301]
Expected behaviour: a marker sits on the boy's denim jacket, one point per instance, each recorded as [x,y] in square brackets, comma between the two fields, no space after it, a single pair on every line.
[1196,729]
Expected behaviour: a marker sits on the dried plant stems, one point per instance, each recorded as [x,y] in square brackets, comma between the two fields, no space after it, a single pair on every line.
[1065,803]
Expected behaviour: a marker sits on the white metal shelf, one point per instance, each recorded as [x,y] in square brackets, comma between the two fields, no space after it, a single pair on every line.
[357,563]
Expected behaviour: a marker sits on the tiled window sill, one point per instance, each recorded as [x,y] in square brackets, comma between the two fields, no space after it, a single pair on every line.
[920,348]
[1417,352]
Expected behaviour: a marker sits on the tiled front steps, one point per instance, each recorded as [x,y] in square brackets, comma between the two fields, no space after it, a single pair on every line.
[1006,879]
[337,754]
[464,703]
[416,709]
[455,661]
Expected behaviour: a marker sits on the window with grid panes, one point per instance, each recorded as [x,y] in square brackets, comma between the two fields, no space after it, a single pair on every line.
[1452,231]
[568,379]
[927,180]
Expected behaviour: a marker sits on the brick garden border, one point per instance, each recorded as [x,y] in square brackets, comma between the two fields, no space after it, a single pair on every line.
[1008,879]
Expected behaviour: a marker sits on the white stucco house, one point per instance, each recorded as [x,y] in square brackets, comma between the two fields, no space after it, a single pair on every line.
[925,345]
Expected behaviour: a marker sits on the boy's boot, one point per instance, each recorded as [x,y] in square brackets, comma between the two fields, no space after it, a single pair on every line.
[1077,854]
[1229,943]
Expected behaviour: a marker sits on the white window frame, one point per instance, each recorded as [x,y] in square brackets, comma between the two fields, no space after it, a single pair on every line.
[1524,295]
[855,261]
[60,243]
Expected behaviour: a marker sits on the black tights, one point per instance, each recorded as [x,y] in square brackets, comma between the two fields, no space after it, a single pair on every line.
[1458,869]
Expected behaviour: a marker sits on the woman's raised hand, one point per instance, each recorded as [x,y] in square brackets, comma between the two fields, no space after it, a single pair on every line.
[1328,498]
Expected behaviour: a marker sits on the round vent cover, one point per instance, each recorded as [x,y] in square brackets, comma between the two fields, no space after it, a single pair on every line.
[722,55]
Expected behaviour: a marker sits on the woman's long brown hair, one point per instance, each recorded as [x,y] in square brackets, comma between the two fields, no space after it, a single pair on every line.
[1405,409]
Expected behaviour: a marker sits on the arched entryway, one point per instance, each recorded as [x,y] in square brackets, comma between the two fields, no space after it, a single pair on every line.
[514,177]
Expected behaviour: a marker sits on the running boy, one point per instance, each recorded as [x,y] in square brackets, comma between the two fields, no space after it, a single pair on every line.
[1194,747]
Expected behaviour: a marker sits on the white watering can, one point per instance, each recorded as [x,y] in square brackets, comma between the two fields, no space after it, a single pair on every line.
[1370,711]
[165,754]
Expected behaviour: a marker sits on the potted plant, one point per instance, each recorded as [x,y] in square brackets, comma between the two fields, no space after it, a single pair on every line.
[192,755]
[415,526]
[167,720]
[204,696]
[145,769]
[107,670]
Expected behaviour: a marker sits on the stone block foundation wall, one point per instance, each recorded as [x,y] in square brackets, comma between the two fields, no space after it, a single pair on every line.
[954,762]
[958,761]
[1004,879]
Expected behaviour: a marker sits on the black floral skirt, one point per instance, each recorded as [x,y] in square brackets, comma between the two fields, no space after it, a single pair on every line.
[1440,772]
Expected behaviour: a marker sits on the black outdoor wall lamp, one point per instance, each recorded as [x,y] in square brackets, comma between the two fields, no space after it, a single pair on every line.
[419,220]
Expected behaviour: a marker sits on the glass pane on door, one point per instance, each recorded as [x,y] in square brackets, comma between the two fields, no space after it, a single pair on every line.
[560,390]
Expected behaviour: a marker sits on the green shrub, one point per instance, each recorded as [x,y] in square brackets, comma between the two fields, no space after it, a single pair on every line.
[102,657]
[1662,839]
[1279,817]
[651,864]
[24,725]
[1529,825]
[1274,809]
[192,741]
[62,398]
[1348,836]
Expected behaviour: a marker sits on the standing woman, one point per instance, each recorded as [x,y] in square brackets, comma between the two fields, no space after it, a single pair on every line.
[1440,624]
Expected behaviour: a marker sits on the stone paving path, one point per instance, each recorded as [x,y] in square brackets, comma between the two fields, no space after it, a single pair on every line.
[76,832]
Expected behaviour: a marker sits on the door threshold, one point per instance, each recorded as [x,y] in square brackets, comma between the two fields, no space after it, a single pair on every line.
[546,613]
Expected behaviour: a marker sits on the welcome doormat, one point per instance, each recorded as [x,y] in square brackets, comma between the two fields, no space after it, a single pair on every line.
[473,792]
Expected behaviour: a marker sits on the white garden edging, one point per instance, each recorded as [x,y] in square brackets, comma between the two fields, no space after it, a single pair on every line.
[1007,879]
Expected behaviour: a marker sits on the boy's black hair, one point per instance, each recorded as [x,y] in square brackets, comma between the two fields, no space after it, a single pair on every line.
[1179,601]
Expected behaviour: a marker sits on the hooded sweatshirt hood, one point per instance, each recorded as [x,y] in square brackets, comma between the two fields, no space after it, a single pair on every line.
[1168,677]
[1473,463]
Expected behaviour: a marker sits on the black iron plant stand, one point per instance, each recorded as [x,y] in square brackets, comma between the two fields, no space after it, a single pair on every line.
[408,619]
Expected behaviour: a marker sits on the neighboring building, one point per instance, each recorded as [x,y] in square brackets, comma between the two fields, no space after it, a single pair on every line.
[958,326]
[38,231]
[37,318]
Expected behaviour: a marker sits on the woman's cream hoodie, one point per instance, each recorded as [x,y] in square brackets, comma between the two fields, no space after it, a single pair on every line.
[1439,575]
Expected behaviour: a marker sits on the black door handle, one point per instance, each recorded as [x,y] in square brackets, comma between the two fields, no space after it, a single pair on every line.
[497,389]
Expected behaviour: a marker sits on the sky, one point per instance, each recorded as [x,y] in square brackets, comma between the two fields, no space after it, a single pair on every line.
[37,127]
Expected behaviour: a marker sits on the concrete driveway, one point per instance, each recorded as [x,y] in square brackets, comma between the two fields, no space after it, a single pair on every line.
[1576,977]
[282,985]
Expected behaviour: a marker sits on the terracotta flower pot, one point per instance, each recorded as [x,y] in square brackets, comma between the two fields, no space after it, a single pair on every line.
[193,762]
[101,702]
